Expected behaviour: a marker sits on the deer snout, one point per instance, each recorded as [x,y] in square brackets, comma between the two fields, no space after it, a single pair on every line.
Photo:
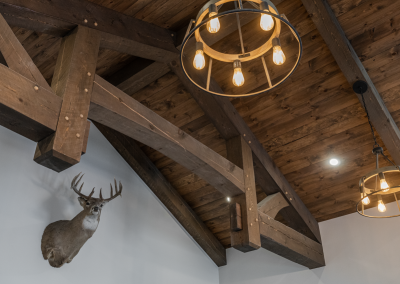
[96,209]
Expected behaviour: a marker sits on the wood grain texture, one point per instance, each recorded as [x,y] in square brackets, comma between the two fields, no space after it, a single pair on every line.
[286,242]
[24,110]
[352,68]
[272,204]
[248,238]
[115,109]
[16,56]
[166,193]
[118,31]
[73,82]
[229,122]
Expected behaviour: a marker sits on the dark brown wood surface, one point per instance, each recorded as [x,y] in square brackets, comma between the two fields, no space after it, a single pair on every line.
[313,117]
[248,238]
[113,108]
[73,82]
[164,191]
[288,243]
[23,109]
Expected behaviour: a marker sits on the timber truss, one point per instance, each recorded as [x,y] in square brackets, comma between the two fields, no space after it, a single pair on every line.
[57,117]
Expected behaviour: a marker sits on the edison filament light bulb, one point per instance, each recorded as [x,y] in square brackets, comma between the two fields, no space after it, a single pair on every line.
[278,56]
[384,184]
[365,200]
[199,62]
[213,25]
[238,78]
[381,206]
[266,22]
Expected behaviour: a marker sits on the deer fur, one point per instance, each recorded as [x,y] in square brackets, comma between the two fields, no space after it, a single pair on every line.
[62,240]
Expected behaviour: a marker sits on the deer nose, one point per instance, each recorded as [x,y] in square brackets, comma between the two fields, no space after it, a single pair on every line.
[95,209]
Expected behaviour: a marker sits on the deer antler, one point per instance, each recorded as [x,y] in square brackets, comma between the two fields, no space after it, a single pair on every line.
[112,196]
[75,182]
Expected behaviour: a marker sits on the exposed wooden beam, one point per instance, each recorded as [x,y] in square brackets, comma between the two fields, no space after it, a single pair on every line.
[73,82]
[290,244]
[3,60]
[115,109]
[352,68]
[272,204]
[25,107]
[248,238]
[230,124]
[117,31]
[16,56]
[166,193]
[138,78]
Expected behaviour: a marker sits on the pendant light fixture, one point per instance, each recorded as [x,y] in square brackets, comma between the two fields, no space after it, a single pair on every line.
[195,50]
[382,187]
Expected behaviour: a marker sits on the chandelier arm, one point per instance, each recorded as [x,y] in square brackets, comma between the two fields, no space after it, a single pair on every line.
[386,157]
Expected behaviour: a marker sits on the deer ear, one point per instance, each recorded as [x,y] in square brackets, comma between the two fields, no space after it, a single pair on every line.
[82,201]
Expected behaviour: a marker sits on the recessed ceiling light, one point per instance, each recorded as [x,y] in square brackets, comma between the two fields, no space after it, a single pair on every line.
[334,162]
[228,199]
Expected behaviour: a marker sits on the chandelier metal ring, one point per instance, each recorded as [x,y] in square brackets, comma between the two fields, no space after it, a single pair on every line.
[237,59]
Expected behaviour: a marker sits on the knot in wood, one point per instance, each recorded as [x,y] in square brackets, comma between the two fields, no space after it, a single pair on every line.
[181,132]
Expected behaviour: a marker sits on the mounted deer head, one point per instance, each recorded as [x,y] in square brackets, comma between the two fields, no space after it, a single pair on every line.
[62,240]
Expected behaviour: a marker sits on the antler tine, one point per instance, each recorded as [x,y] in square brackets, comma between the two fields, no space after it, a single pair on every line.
[112,195]
[75,182]
[80,189]
[101,196]
[90,195]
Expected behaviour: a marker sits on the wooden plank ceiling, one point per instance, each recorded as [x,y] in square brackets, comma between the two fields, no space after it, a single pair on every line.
[312,117]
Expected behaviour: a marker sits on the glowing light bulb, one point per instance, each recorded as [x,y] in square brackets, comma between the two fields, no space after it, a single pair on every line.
[384,185]
[199,62]
[381,206]
[365,200]
[334,162]
[213,25]
[267,22]
[279,57]
[238,78]
[228,199]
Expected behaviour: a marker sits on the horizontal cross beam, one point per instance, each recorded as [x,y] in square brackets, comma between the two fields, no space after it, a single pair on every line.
[117,31]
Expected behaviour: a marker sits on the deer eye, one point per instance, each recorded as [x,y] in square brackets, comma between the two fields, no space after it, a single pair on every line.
[101,205]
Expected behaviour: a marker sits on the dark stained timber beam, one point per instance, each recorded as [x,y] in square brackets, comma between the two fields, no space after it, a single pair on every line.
[166,193]
[72,81]
[248,237]
[115,109]
[230,124]
[16,56]
[352,68]
[117,31]
[25,107]
[290,244]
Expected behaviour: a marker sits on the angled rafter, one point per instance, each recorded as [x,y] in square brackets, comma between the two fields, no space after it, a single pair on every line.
[16,56]
[166,193]
[115,109]
[25,107]
[230,124]
[352,68]
[290,244]
[117,31]
[72,81]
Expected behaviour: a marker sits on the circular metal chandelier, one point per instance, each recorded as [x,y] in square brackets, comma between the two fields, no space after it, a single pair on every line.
[196,45]
[382,187]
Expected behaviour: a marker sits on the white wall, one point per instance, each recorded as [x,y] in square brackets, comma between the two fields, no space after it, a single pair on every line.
[137,241]
[357,250]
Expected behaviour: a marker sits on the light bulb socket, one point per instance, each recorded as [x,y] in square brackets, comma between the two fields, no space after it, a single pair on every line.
[377,150]
[199,46]
[264,6]
[212,10]
[276,42]
[379,198]
[237,64]
[381,176]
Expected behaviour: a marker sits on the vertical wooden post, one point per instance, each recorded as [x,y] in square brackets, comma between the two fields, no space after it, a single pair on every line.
[73,81]
[246,238]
